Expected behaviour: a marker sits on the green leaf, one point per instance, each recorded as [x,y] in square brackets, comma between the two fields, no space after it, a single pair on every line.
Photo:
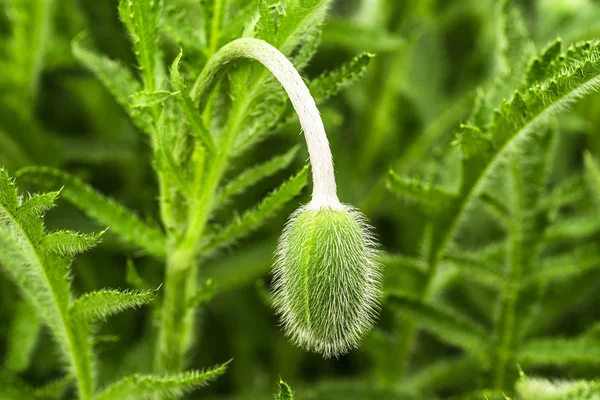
[149,99]
[515,51]
[592,175]
[141,387]
[38,204]
[513,124]
[30,26]
[559,351]
[331,82]
[546,64]
[141,18]
[23,336]
[432,199]
[441,374]
[100,208]
[42,276]
[446,324]
[481,267]
[54,390]
[190,110]
[204,294]
[543,389]
[106,302]
[302,18]
[255,218]
[12,388]
[351,35]
[121,83]
[285,392]
[69,244]
[265,26]
[568,264]
[574,227]
[253,175]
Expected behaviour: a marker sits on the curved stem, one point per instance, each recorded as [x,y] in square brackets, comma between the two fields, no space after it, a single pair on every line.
[324,187]
[177,318]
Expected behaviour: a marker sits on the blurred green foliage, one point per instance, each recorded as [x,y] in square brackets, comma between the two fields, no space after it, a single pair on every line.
[491,242]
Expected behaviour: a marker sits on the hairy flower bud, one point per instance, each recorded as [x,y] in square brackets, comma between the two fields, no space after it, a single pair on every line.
[327,279]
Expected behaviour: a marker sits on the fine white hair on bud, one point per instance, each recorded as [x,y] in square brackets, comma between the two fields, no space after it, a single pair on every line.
[327,279]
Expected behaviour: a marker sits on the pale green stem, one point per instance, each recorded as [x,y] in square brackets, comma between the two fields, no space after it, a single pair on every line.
[176,317]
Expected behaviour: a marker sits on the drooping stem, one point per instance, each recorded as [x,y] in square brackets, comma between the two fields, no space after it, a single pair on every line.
[177,318]
[324,187]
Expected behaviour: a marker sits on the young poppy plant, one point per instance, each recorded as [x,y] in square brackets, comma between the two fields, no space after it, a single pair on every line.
[326,276]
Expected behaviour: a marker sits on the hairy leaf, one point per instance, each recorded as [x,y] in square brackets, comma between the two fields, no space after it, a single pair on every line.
[256,217]
[557,351]
[190,110]
[543,389]
[140,387]
[121,83]
[429,197]
[285,392]
[448,325]
[106,302]
[141,19]
[100,208]
[253,175]
[23,336]
[331,82]
[41,274]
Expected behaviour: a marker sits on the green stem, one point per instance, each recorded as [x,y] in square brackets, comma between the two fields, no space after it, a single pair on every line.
[177,317]
[509,296]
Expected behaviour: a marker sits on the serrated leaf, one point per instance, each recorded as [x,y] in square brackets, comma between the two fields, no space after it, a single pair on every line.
[141,18]
[544,65]
[121,83]
[100,208]
[106,302]
[543,389]
[190,109]
[141,387]
[37,205]
[566,265]
[265,26]
[354,36]
[559,351]
[441,373]
[448,325]
[256,217]
[573,227]
[513,123]
[302,17]
[69,244]
[149,99]
[331,82]
[429,197]
[285,392]
[41,274]
[253,175]
[23,336]
[479,267]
